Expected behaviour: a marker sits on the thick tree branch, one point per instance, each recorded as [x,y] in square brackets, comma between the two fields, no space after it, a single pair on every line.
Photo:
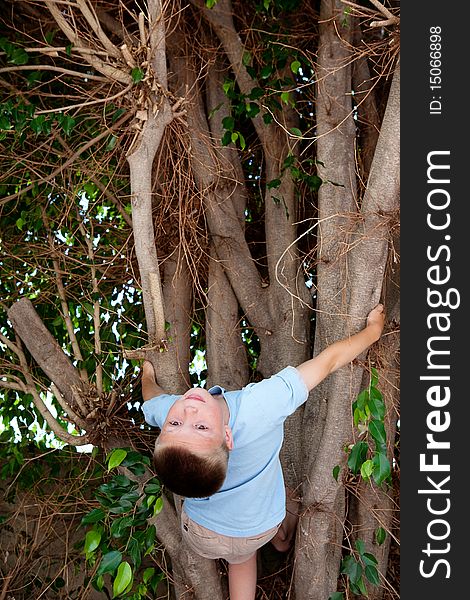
[158,115]
[157,41]
[379,209]
[45,350]
[324,434]
[220,17]
[140,164]
[224,222]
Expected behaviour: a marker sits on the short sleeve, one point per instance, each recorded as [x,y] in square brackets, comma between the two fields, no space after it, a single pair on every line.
[156,409]
[278,396]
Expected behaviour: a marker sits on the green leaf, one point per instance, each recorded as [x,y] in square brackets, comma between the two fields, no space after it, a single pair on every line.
[234,136]
[67,123]
[37,124]
[374,377]
[152,488]
[357,456]
[382,468]
[369,559]
[274,183]
[352,568]
[150,535]
[92,540]
[360,546]
[358,416]
[246,58]
[134,550]
[98,583]
[111,142]
[227,138]
[117,114]
[228,123]
[256,93]
[123,579]
[120,526]
[97,513]
[380,535]
[266,72]
[376,407]
[268,118]
[295,66]
[296,131]
[150,500]
[33,77]
[285,97]
[227,86]
[289,161]
[336,596]
[120,507]
[158,506]
[18,57]
[137,74]
[109,562]
[362,400]
[358,587]
[147,574]
[367,468]
[252,109]
[377,431]
[116,457]
[5,123]
[336,472]
[372,574]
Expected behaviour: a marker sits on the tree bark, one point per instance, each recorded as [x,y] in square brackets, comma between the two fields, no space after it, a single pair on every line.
[326,413]
[380,206]
[46,351]
[320,531]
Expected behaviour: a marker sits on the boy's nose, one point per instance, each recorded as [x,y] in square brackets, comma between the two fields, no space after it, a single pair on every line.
[190,409]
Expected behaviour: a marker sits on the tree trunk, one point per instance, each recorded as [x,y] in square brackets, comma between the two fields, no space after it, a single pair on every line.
[320,530]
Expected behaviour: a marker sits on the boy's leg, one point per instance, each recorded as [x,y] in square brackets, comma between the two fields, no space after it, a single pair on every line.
[282,541]
[242,580]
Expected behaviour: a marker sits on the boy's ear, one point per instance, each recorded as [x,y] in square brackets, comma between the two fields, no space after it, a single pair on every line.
[228,437]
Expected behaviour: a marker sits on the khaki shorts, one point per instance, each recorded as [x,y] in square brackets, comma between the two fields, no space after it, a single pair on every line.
[209,544]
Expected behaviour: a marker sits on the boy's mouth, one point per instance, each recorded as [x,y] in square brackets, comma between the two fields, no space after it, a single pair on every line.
[195,397]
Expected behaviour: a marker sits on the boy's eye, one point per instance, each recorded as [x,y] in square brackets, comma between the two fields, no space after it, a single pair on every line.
[201,427]
[173,423]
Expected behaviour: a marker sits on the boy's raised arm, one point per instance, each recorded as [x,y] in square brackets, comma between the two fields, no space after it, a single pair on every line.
[150,387]
[343,352]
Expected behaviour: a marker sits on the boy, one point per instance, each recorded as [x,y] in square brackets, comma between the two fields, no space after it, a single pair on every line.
[220,450]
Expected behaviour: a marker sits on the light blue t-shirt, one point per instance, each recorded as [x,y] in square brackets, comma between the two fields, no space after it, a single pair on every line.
[252,497]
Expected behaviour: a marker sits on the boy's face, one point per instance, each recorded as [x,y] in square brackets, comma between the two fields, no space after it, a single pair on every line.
[197,420]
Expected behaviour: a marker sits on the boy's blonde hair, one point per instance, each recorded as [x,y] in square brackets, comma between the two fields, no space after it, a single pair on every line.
[189,474]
